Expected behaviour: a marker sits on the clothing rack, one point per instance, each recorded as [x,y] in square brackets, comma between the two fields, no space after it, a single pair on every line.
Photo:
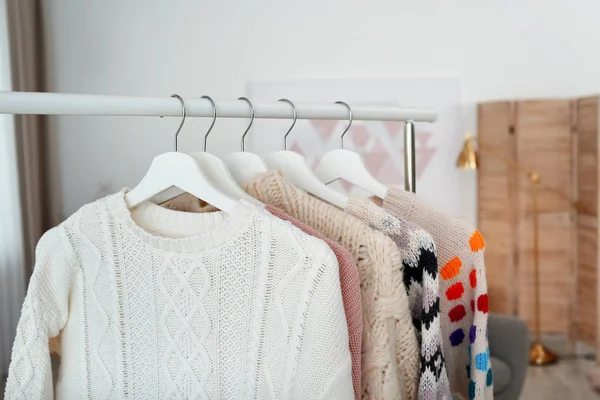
[86,104]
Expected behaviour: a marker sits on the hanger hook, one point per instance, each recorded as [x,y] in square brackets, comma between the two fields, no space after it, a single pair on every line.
[293,123]
[251,120]
[214,109]
[350,119]
[183,114]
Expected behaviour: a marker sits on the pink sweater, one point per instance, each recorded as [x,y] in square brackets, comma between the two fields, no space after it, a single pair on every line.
[350,283]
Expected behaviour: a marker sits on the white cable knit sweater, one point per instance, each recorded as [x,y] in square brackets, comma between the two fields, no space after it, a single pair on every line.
[250,307]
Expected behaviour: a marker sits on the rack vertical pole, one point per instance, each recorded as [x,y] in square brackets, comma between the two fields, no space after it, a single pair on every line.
[409,157]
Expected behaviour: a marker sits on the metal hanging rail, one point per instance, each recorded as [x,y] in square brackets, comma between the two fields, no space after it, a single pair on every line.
[86,104]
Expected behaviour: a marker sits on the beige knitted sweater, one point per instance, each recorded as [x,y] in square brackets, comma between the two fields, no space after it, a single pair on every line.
[390,351]
[463,292]
[419,259]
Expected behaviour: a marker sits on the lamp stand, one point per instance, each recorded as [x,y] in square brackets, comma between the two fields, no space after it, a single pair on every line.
[539,355]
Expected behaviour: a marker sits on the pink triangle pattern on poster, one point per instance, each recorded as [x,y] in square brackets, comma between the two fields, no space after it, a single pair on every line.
[295,147]
[382,160]
[390,174]
[359,134]
[376,157]
[424,153]
[423,137]
[393,128]
[324,127]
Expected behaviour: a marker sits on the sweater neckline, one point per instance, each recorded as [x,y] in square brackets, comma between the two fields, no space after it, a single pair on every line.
[274,189]
[215,228]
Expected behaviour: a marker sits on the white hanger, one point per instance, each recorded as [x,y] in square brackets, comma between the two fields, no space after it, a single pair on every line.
[180,170]
[295,168]
[215,168]
[244,166]
[349,166]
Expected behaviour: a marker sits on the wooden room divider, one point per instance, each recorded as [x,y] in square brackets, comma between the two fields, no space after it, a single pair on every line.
[558,139]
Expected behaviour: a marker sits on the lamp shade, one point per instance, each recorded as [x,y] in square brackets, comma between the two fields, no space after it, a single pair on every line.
[467,159]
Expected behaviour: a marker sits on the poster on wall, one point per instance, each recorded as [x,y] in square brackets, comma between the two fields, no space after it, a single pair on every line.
[379,143]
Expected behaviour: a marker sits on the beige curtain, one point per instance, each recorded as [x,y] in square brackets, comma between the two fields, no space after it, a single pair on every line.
[27,58]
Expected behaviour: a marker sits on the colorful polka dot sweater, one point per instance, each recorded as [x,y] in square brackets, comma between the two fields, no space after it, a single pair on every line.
[420,277]
[463,293]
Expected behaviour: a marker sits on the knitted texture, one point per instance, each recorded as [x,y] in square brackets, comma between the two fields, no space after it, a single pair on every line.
[248,307]
[349,279]
[390,352]
[420,276]
[350,283]
[463,288]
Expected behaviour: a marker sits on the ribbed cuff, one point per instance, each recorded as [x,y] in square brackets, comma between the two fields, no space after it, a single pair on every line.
[400,202]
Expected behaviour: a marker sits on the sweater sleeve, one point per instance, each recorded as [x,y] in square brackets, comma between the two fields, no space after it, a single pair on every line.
[325,364]
[44,313]
[407,348]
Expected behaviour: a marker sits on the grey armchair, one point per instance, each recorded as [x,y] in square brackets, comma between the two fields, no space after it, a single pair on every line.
[509,350]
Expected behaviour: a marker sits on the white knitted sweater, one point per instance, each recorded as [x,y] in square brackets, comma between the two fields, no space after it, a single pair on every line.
[247,307]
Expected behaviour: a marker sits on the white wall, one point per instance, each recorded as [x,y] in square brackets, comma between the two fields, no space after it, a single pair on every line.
[507,49]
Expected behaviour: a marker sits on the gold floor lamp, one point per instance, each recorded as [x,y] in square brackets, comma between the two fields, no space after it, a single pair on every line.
[467,159]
